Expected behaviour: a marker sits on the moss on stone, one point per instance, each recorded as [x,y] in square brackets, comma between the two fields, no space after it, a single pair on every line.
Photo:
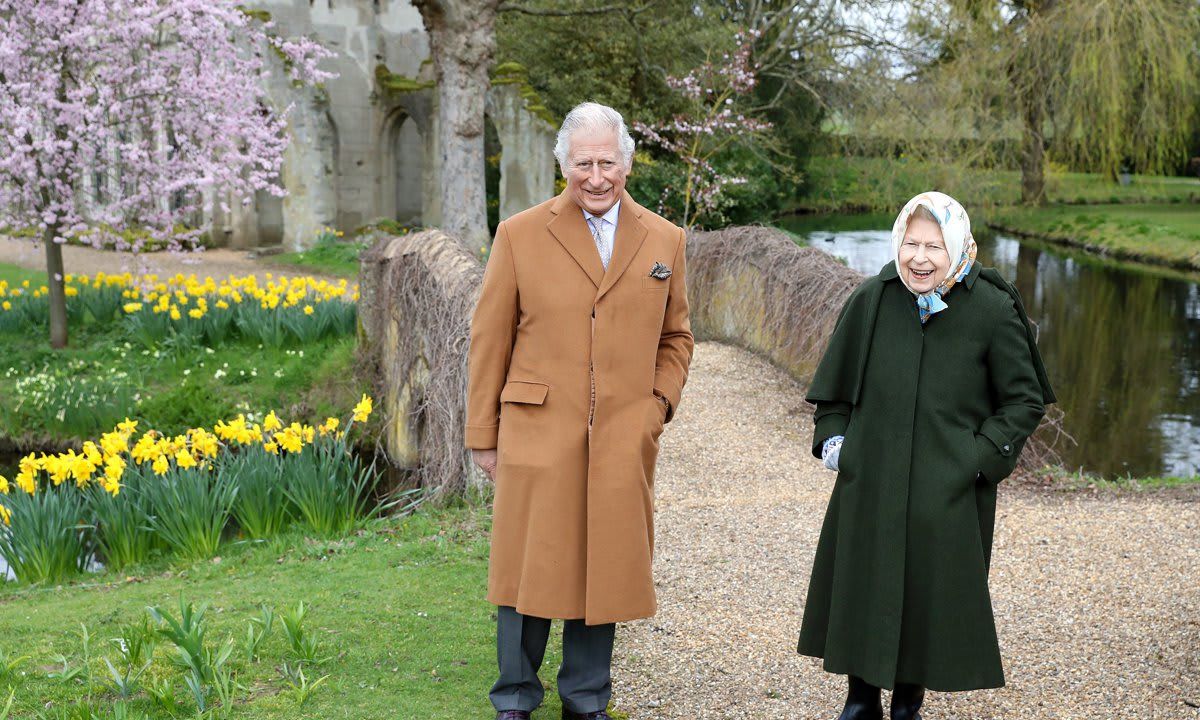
[395,83]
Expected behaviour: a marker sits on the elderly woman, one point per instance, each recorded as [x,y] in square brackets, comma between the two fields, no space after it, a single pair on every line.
[929,388]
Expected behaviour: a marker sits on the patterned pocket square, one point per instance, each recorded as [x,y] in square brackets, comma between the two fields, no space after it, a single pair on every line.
[660,271]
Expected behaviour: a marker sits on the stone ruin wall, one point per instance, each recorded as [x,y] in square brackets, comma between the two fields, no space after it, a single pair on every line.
[359,153]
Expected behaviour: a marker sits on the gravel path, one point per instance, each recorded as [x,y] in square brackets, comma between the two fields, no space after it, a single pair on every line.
[218,263]
[1097,597]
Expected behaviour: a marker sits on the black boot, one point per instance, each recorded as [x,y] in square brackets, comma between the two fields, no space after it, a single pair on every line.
[906,701]
[862,701]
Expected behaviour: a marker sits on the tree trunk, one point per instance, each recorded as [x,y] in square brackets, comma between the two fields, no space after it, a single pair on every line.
[1033,156]
[462,39]
[56,282]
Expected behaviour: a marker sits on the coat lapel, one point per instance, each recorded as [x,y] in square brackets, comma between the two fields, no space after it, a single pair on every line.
[571,231]
[631,233]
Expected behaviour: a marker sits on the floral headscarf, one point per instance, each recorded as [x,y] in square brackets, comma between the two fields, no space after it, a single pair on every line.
[956,231]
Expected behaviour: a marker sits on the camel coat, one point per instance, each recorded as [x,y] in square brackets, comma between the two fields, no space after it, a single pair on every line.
[556,339]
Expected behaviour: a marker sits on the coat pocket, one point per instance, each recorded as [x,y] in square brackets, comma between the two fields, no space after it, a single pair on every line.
[653,283]
[526,393]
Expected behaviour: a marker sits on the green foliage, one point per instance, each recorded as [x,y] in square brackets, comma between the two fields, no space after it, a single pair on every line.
[124,535]
[261,507]
[620,60]
[258,630]
[329,488]
[45,541]
[189,509]
[884,184]
[68,398]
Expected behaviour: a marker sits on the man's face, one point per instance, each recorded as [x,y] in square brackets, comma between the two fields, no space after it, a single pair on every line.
[595,171]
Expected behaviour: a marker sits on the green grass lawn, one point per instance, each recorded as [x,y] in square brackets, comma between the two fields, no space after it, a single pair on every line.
[1166,234]
[857,184]
[16,275]
[338,258]
[399,608]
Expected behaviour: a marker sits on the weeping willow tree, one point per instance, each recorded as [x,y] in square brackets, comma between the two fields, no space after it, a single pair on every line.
[1105,85]
[1098,85]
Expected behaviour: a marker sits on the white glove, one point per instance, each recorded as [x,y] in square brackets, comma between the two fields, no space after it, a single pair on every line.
[831,450]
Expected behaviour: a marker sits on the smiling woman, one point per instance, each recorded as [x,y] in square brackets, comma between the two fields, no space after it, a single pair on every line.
[921,436]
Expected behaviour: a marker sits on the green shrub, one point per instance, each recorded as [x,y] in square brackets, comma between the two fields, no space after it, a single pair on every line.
[46,539]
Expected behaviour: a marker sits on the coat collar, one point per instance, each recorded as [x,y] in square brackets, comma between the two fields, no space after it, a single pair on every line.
[888,273]
[570,229]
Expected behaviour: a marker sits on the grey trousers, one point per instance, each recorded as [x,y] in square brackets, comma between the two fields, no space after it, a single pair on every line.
[584,679]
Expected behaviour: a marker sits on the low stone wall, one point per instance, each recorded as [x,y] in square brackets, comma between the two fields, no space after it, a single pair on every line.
[755,288]
[417,294]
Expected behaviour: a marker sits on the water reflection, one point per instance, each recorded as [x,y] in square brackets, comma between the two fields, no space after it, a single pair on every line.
[1122,346]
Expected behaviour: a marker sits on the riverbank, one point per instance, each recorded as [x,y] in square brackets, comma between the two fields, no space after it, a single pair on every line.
[1159,234]
[866,184]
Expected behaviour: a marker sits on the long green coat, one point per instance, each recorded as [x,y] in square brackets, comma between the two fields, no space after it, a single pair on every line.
[934,417]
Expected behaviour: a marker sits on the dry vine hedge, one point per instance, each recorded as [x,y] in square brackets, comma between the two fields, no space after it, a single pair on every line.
[754,287]
[417,293]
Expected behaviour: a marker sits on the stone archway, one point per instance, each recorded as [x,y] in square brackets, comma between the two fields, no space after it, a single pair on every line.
[401,168]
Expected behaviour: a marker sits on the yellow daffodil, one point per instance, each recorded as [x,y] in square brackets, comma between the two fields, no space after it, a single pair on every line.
[3,485]
[289,439]
[362,410]
[145,449]
[5,515]
[329,425]
[114,443]
[195,313]
[127,426]
[160,465]
[6,305]
[271,422]
[57,467]
[308,310]
[271,448]
[131,308]
[184,459]
[205,442]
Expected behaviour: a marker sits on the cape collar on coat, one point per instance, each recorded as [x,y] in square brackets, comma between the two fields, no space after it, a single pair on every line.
[839,376]
[571,230]
[889,273]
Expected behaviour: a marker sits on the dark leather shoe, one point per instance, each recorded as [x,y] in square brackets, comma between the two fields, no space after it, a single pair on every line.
[512,715]
[862,701]
[906,701]
[601,715]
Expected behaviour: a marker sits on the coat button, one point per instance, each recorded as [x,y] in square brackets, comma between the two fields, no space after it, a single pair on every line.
[1007,449]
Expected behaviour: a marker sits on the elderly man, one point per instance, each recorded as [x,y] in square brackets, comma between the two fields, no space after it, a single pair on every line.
[580,347]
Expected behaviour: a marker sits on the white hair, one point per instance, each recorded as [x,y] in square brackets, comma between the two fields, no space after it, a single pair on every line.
[592,116]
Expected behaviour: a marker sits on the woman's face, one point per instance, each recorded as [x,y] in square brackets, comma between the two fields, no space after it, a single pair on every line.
[924,260]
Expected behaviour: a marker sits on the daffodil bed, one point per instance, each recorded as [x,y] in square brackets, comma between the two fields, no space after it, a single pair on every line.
[186,309]
[173,353]
[128,496]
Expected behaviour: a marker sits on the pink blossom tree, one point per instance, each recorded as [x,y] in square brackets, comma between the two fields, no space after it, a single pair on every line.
[714,95]
[164,100]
